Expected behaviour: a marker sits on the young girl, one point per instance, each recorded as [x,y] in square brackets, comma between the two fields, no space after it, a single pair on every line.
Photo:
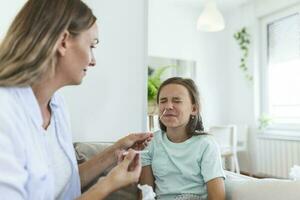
[182,161]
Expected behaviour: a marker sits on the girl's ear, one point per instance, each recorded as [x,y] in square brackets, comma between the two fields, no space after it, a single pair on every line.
[194,109]
[62,43]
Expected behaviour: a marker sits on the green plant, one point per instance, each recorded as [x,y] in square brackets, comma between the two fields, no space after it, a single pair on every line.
[264,121]
[154,81]
[243,38]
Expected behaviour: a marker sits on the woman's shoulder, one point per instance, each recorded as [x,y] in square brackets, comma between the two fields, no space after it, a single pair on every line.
[7,99]
[5,93]
[11,111]
[13,101]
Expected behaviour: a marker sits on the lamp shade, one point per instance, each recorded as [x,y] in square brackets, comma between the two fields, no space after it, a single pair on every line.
[211,19]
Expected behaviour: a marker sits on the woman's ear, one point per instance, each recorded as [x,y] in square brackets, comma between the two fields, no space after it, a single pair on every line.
[63,43]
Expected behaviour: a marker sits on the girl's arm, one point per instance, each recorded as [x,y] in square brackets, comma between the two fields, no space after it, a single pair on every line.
[216,189]
[146,178]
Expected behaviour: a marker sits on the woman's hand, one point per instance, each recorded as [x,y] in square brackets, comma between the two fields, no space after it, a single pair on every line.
[137,141]
[126,172]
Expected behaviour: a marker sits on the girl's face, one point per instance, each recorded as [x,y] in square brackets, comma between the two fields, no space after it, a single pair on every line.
[175,106]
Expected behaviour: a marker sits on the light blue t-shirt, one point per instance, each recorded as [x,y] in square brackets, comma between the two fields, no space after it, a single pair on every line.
[183,168]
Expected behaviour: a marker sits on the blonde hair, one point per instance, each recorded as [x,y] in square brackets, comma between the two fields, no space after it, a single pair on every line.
[28,49]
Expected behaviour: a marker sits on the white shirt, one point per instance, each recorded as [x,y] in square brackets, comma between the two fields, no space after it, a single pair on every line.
[25,167]
[59,161]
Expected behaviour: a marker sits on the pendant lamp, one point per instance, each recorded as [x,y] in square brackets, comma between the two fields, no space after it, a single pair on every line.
[211,19]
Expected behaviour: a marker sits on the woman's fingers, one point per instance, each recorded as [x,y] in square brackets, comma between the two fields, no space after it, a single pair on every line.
[129,158]
[120,155]
[135,168]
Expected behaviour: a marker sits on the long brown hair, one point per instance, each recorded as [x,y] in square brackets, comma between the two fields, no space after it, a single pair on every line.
[29,48]
[195,124]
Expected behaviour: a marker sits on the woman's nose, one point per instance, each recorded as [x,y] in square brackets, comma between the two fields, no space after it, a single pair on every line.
[92,63]
[93,60]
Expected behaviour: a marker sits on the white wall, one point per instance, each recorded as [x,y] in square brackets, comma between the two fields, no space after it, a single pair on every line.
[112,99]
[239,93]
[227,96]
[8,10]
[265,7]
[243,97]
[172,34]
[111,102]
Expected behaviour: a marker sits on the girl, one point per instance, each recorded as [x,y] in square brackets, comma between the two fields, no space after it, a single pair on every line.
[182,161]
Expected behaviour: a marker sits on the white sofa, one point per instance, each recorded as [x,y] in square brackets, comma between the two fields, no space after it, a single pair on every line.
[238,187]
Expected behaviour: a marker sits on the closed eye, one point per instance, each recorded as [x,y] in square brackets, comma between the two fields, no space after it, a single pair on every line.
[162,100]
[177,100]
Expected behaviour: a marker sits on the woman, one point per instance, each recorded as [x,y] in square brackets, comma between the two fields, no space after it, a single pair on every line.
[183,162]
[49,45]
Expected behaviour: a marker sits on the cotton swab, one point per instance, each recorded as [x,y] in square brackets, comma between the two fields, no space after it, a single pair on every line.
[140,152]
[165,110]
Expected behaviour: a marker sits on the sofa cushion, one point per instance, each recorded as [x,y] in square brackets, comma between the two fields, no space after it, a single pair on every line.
[234,176]
[262,189]
[86,150]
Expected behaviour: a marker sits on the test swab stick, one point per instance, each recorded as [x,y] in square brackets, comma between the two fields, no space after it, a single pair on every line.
[162,114]
[140,152]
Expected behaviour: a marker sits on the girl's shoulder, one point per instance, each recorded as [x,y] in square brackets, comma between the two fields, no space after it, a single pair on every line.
[207,139]
[157,135]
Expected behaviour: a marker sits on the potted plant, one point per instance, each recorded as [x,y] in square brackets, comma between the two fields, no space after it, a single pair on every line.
[154,81]
[243,39]
[264,121]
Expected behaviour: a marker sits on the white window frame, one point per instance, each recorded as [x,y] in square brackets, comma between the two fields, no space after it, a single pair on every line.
[278,128]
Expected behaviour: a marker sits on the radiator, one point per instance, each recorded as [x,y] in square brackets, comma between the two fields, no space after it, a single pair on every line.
[276,157]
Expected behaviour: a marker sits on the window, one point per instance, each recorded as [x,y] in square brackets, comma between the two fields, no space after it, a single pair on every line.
[280,79]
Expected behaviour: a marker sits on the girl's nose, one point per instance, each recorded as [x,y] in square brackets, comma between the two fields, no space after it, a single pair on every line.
[169,106]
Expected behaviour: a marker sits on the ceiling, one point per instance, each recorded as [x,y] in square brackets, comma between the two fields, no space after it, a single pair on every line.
[222,4]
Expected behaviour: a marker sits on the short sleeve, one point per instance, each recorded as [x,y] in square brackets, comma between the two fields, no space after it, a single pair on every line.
[211,163]
[147,157]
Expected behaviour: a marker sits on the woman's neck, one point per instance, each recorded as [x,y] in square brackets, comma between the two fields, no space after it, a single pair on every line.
[43,92]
